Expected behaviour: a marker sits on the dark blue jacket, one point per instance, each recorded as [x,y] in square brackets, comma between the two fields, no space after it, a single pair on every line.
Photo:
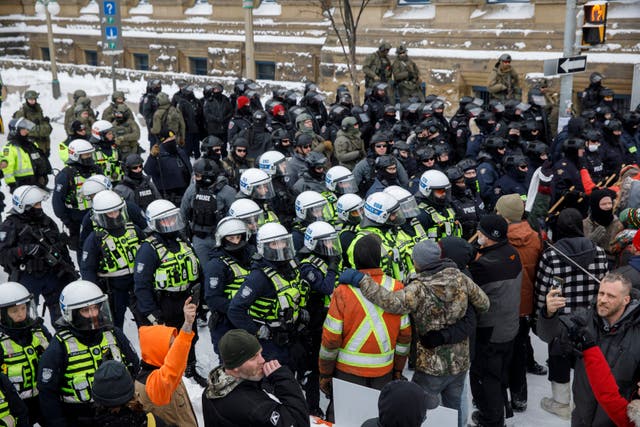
[169,171]
[217,275]
[63,188]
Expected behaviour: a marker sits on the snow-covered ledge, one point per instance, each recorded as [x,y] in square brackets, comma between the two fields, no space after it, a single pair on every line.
[143,8]
[410,11]
[268,9]
[505,11]
[199,9]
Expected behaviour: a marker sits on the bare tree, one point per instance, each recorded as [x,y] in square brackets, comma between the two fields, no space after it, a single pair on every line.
[345,26]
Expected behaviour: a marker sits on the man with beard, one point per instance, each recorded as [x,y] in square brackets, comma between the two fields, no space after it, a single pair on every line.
[574,265]
[244,376]
[612,322]
[504,82]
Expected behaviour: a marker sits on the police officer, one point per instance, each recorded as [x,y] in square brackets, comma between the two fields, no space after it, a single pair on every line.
[126,131]
[412,227]
[69,114]
[377,66]
[32,250]
[310,206]
[217,111]
[236,161]
[490,166]
[514,179]
[256,185]
[213,148]
[274,163]
[167,272]
[136,187]
[149,105]
[22,162]
[191,109]
[32,111]
[117,99]
[241,119]
[23,339]
[434,201]
[106,151]
[205,202]
[296,165]
[349,211]
[250,213]
[468,207]
[84,339]
[567,182]
[225,272]
[270,302]
[313,178]
[109,251]
[319,266]
[386,174]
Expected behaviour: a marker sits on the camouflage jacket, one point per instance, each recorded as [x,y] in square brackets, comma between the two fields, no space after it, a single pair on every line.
[434,301]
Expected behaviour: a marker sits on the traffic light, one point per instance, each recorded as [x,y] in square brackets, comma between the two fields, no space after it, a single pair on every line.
[595,23]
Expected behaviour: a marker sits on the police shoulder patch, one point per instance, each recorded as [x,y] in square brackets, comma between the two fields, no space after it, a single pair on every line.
[85,255]
[275,416]
[483,171]
[213,282]
[139,267]
[59,188]
[246,291]
[311,277]
[47,373]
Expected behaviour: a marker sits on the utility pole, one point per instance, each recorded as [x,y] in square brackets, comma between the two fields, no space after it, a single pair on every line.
[566,81]
[55,83]
[249,60]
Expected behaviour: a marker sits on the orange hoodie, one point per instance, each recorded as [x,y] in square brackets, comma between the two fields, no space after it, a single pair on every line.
[157,350]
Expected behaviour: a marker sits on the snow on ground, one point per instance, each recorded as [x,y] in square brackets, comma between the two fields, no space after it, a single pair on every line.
[100,89]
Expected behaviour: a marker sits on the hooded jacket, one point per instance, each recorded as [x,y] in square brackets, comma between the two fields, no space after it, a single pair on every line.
[529,246]
[231,402]
[619,344]
[159,383]
[401,404]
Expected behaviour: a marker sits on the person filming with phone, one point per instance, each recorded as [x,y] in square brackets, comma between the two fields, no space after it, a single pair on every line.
[576,264]
[610,322]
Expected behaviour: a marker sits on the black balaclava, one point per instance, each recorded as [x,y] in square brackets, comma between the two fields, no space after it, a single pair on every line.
[598,215]
[569,224]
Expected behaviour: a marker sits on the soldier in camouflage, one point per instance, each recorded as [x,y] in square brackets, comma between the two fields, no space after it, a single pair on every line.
[437,298]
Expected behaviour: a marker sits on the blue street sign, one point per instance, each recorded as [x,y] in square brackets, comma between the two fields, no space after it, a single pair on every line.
[110,8]
[111,32]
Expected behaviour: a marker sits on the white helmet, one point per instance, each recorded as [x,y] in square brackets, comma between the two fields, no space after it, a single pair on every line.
[340,180]
[273,162]
[322,239]
[312,206]
[408,203]
[433,179]
[109,210]
[249,212]
[79,295]
[164,217]
[255,183]
[11,295]
[100,128]
[25,196]
[382,208]
[77,148]
[350,208]
[274,242]
[230,226]
[95,184]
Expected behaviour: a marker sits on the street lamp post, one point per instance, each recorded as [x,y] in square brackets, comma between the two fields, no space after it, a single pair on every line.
[51,7]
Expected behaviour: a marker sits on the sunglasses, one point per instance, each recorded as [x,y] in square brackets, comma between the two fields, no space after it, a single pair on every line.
[381,145]
[306,146]
[241,150]
[218,150]
[429,160]
[135,168]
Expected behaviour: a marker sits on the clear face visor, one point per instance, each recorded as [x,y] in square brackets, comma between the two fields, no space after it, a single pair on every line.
[329,246]
[347,185]
[409,207]
[113,219]
[20,315]
[539,100]
[253,221]
[263,191]
[280,249]
[396,217]
[320,212]
[170,222]
[93,317]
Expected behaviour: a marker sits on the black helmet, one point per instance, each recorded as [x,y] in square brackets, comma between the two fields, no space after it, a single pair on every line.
[613,125]
[303,139]
[210,142]
[389,110]
[401,130]
[154,85]
[505,57]
[345,100]
[514,161]
[441,149]
[536,148]
[494,142]
[573,144]
[338,112]
[239,86]
[207,169]
[467,164]
[133,160]
[426,153]
[259,118]
[240,142]
[315,160]
[278,135]
[588,114]
[607,92]
[592,135]
[385,161]
[596,77]
[381,136]
[454,173]
[496,106]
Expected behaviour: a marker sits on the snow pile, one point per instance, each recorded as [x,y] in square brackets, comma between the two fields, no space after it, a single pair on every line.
[268,9]
[506,11]
[414,12]
[200,9]
[91,8]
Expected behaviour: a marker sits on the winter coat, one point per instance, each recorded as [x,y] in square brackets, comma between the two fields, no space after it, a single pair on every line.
[436,298]
[191,109]
[605,389]
[159,383]
[169,171]
[127,134]
[529,246]
[579,289]
[307,182]
[631,271]
[275,401]
[603,236]
[504,85]
[169,117]
[376,68]
[342,328]
[619,344]
[295,167]
[498,272]
[400,405]
[349,148]
[217,111]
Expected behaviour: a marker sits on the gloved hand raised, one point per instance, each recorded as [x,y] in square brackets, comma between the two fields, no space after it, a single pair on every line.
[580,336]
[351,277]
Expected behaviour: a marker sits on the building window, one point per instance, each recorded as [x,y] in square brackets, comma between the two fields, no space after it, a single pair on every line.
[410,2]
[44,51]
[141,61]
[507,1]
[91,57]
[265,70]
[198,66]
[482,93]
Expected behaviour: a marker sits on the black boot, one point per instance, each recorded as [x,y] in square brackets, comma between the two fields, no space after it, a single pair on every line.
[192,372]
